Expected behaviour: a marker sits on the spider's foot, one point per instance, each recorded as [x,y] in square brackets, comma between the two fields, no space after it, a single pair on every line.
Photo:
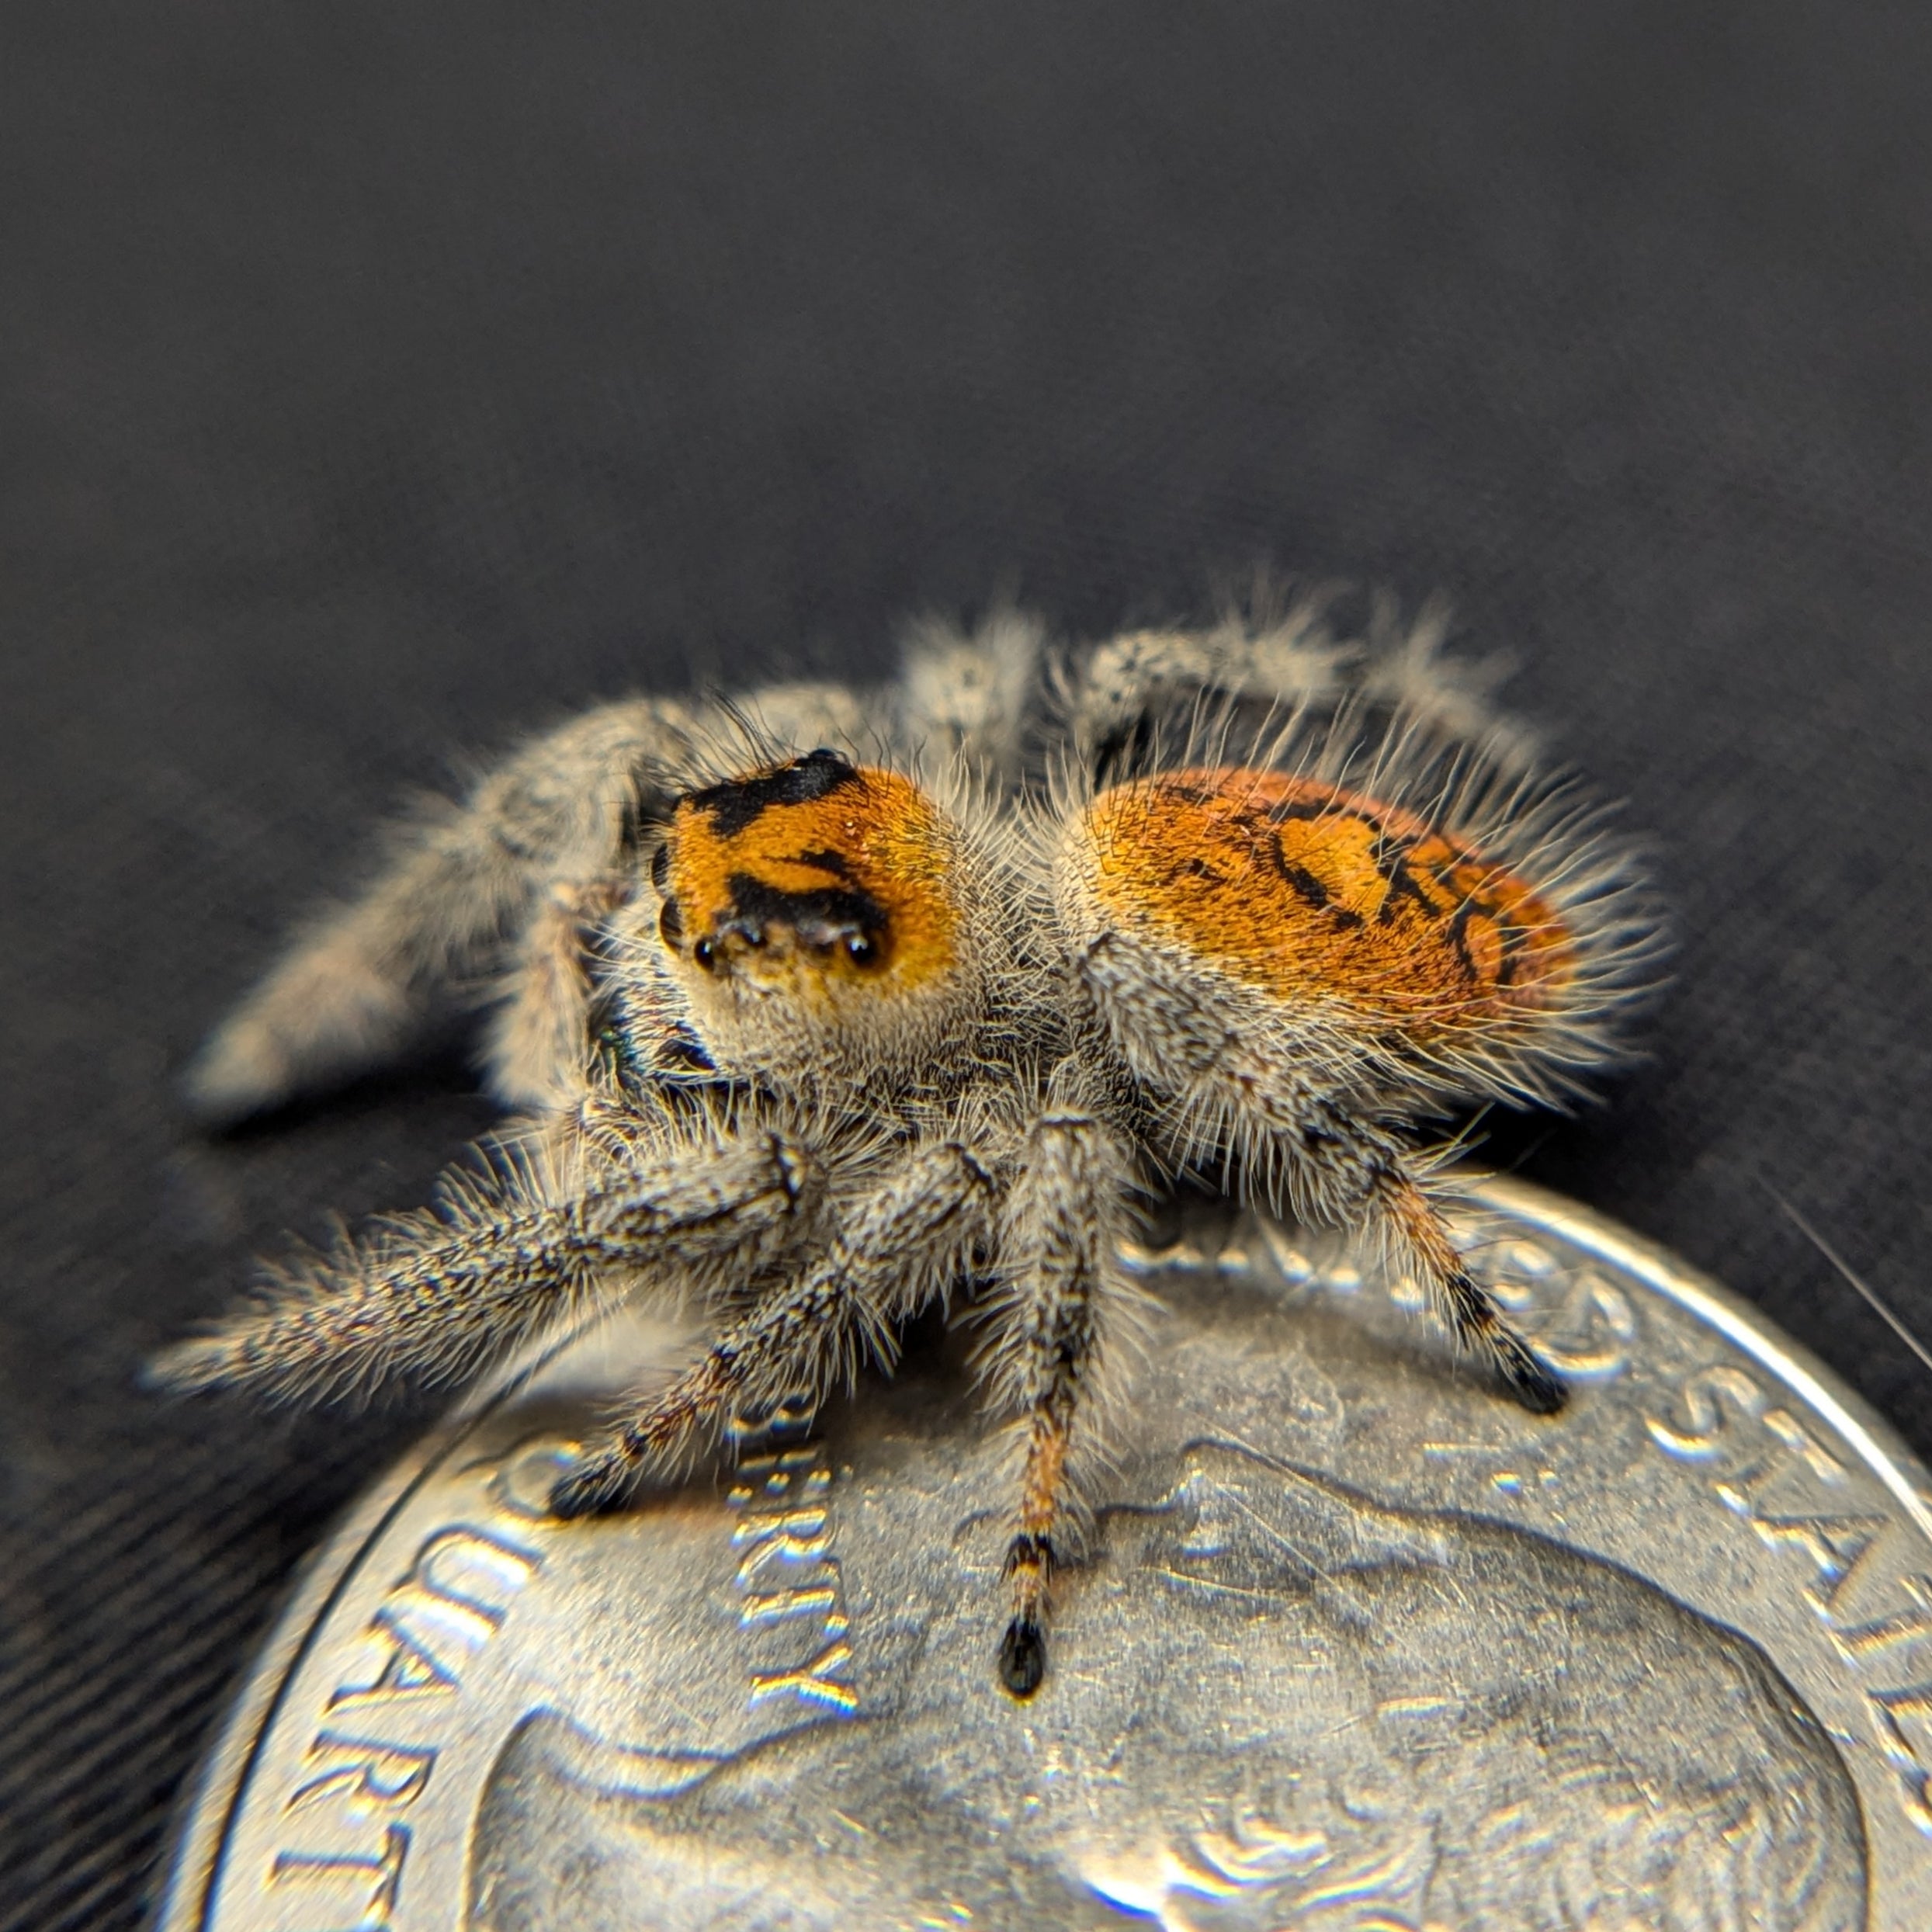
[1023,1657]
[190,1367]
[1532,1381]
[1029,1561]
[595,1487]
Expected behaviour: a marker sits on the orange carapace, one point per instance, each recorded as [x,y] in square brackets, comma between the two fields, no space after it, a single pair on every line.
[846,868]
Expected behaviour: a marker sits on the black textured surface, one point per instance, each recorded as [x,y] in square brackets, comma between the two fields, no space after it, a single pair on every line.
[376,381]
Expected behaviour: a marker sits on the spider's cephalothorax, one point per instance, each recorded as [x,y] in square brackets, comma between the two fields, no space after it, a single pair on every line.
[809,1038]
[821,901]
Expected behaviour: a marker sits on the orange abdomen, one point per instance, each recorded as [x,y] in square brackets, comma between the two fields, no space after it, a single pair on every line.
[1309,892]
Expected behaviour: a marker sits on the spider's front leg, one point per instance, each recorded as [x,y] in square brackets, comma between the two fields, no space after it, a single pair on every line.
[1063,1289]
[354,987]
[440,1292]
[512,879]
[895,1249]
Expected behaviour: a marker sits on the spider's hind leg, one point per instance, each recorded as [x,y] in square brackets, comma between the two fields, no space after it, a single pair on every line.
[1414,1226]
[1131,699]
[1347,1170]
[897,1248]
[1239,1084]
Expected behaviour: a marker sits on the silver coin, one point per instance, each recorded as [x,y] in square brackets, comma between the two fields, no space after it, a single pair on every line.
[1352,1642]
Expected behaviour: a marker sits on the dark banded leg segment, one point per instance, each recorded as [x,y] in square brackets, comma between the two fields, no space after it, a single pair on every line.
[1466,1305]
[1060,1240]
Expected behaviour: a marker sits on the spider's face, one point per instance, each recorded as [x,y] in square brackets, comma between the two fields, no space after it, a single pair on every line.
[815,899]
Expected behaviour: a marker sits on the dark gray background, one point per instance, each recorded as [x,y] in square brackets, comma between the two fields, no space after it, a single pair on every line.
[377,380]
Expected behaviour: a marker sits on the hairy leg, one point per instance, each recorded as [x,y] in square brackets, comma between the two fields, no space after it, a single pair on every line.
[538,1039]
[895,1249]
[1129,691]
[535,859]
[1263,1095]
[353,989]
[442,1291]
[1413,1226]
[972,695]
[1060,1240]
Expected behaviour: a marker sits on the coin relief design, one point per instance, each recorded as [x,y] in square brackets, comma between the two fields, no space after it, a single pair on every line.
[1358,1646]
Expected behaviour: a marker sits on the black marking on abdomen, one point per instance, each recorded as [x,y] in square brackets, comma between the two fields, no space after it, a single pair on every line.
[1310,890]
[1402,883]
[738,803]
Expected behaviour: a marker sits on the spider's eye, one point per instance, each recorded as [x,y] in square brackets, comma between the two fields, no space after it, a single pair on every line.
[811,875]
[671,925]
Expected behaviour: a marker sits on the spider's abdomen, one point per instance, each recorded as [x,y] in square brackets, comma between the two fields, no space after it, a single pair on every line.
[1308,893]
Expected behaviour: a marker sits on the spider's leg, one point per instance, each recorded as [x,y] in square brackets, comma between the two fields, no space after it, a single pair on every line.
[442,1292]
[897,1247]
[1059,1241]
[1341,1167]
[1256,1092]
[538,1039]
[1132,691]
[1412,1224]
[353,989]
[968,698]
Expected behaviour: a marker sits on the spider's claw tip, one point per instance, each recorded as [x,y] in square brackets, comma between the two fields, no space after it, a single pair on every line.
[1023,1657]
[594,1490]
[195,1367]
[231,1080]
[1537,1386]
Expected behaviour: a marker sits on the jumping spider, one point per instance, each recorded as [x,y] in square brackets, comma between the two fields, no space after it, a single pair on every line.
[822,1007]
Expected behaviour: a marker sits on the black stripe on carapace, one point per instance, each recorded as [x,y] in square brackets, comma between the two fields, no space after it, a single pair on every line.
[738,803]
[820,860]
[826,916]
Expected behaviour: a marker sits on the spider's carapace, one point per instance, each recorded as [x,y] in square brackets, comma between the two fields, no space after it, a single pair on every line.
[811,873]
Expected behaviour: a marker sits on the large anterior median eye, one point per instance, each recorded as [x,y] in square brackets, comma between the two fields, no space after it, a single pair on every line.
[1308,891]
[809,876]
